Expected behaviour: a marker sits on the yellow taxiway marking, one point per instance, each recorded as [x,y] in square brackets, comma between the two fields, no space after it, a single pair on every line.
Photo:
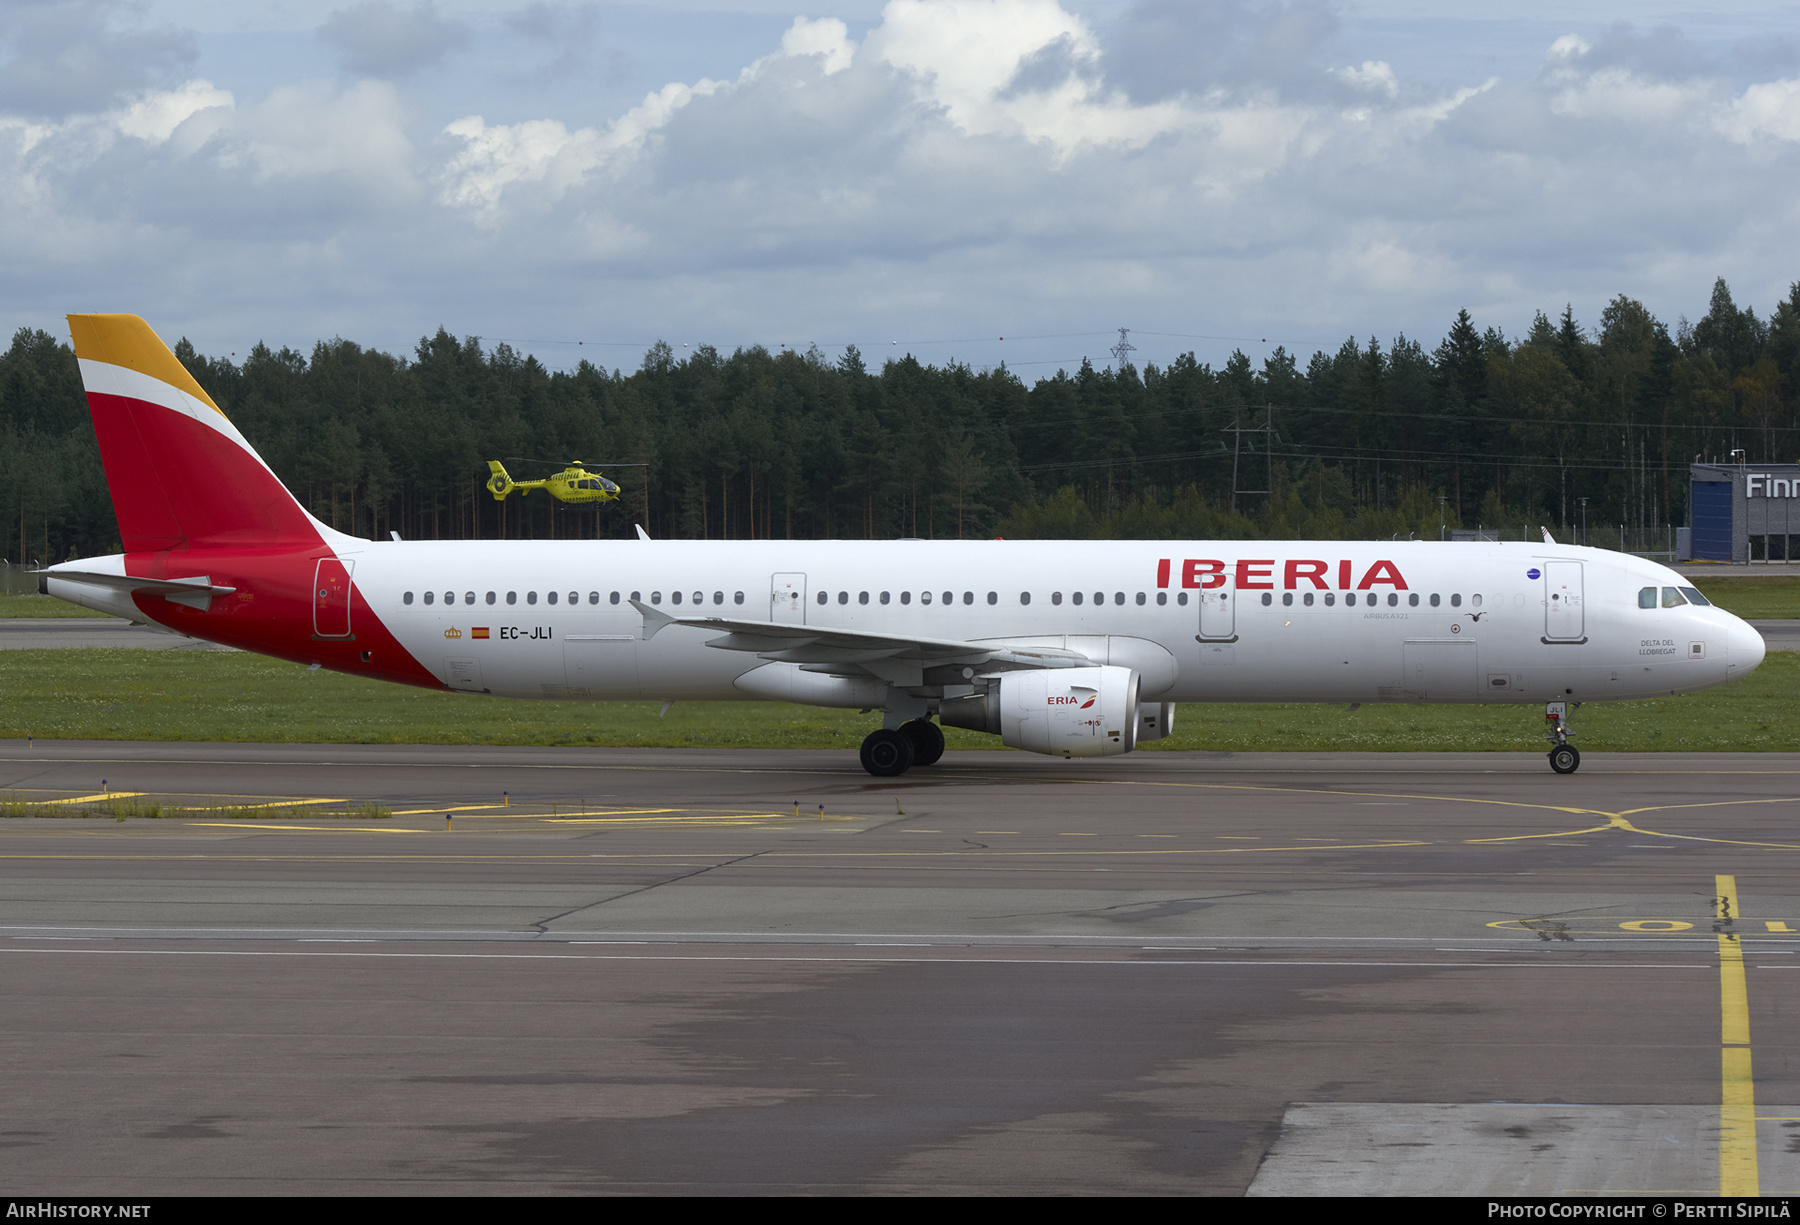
[86,799]
[1738,1175]
[326,829]
[431,812]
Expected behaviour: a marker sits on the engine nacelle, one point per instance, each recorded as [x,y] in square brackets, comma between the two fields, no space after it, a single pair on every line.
[1065,712]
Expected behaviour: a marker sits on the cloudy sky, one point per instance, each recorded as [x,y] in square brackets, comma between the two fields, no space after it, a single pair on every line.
[919,175]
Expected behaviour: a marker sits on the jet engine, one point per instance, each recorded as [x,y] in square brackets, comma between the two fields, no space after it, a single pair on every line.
[1065,712]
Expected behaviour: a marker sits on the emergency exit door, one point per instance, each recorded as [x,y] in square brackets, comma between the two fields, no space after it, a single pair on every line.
[1218,612]
[787,599]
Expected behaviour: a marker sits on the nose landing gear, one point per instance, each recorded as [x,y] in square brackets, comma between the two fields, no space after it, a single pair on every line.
[1565,758]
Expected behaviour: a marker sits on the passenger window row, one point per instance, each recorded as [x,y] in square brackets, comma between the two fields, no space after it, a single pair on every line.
[512,597]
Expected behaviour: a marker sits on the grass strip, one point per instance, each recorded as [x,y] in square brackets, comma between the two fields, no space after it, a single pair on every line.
[221,696]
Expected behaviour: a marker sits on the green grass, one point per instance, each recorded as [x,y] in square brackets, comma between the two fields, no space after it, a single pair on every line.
[42,606]
[181,695]
[1754,599]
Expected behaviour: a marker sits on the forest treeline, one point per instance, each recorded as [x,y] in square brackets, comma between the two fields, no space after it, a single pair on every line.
[1369,441]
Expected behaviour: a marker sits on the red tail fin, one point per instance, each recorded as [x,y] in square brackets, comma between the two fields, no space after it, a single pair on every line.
[179,471]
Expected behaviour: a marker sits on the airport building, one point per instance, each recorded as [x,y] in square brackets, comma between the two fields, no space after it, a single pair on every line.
[1744,512]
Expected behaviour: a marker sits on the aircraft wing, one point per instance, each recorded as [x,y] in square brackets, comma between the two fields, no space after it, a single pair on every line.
[897,659]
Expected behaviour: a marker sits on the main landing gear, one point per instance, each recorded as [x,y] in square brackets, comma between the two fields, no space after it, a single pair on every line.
[1565,758]
[889,751]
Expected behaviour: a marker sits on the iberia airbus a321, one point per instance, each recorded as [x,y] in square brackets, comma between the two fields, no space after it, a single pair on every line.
[1075,649]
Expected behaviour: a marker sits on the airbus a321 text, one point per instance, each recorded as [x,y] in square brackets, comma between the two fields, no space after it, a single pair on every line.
[1074,649]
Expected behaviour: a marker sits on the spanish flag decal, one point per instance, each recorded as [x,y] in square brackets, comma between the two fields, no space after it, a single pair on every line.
[480,631]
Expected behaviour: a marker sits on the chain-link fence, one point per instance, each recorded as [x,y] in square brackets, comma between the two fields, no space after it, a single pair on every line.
[17,580]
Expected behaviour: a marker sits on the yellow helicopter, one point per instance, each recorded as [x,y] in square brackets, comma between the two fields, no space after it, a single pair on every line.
[573,484]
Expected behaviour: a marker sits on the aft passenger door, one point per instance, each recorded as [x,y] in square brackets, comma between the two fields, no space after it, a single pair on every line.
[1564,616]
[331,598]
[787,599]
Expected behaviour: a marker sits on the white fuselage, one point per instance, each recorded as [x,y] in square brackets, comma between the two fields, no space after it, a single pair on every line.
[1431,622]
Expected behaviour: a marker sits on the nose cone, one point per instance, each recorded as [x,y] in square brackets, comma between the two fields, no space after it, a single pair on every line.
[1746,648]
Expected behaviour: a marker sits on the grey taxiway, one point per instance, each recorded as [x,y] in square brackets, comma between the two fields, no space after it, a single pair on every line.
[571,970]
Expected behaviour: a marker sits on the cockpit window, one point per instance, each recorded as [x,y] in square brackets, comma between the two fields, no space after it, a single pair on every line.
[1694,597]
[1646,597]
[1672,598]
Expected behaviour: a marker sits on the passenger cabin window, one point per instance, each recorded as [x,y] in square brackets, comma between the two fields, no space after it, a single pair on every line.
[737,597]
[906,597]
[1413,599]
[1475,600]
[1393,599]
[884,597]
[1162,597]
[635,596]
[449,597]
[407,598]
[823,597]
[1076,597]
[550,596]
[491,597]
[593,597]
[993,597]
[1330,598]
[699,597]
[1306,598]
[1672,598]
[1181,598]
[1456,600]
[615,597]
[843,597]
[1119,597]
[924,597]
[949,597]
[1056,597]
[1024,597]
[1267,599]
[531,597]
[575,597]
[1287,599]
[862,597]
[430,596]
[1099,597]
[968,597]
[1350,599]
[718,597]
[674,597]
[656,597]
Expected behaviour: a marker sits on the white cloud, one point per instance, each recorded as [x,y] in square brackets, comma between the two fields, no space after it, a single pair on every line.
[827,37]
[1374,75]
[1771,109]
[154,116]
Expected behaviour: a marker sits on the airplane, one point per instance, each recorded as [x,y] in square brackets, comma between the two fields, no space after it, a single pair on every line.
[1073,649]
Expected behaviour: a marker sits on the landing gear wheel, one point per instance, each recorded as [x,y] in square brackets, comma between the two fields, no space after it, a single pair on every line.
[927,741]
[887,752]
[1565,759]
